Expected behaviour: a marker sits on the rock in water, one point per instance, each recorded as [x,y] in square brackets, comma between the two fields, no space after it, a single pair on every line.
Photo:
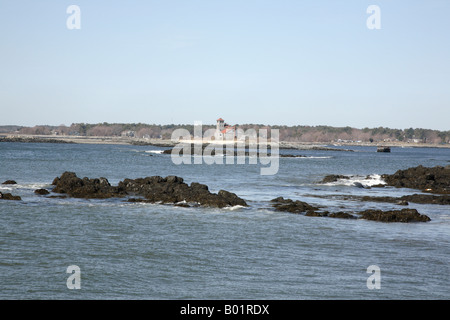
[434,180]
[358,185]
[9,196]
[342,215]
[171,189]
[9,182]
[333,178]
[289,205]
[404,215]
[76,187]
[41,191]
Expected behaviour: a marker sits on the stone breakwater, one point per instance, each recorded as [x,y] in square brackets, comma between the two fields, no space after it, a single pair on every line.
[33,140]
[232,152]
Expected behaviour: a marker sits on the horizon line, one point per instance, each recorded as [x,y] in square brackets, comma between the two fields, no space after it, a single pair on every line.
[213,124]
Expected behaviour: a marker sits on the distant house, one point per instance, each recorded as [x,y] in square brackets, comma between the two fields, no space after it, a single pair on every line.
[224,131]
[128,133]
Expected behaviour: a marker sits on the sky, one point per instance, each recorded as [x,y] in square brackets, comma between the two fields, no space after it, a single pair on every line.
[277,62]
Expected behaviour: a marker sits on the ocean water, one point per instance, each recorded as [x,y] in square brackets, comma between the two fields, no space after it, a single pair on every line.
[152,251]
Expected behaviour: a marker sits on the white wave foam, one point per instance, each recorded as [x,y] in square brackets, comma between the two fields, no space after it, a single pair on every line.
[356,180]
[234,207]
[32,186]
[37,186]
[155,151]
[324,157]
[311,157]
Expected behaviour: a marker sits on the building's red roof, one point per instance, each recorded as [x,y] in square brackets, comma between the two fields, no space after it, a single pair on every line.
[228,128]
[220,119]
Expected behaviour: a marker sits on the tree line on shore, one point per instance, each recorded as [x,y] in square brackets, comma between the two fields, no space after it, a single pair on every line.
[299,133]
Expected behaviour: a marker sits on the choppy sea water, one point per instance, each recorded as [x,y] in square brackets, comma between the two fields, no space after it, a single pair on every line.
[152,251]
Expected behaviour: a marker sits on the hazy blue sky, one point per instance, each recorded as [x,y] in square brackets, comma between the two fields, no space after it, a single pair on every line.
[248,61]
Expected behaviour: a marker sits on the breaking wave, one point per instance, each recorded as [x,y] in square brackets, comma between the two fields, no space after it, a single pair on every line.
[29,186]
[358,181]
[324,157]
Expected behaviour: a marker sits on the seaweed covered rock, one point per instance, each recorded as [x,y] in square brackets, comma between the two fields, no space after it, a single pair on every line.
[171,189]
[9,196]
[317,214]
[333,178]
[404,215]
[443,199]
[428,198]
[41,191]
[434,179]
[289,205]
[76,187]
[342,215]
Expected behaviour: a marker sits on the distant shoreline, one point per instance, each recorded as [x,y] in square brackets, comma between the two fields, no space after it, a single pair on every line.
[169,143]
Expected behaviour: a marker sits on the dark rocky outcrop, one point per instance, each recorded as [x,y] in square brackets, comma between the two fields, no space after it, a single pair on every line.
[333,178]
[434,179]
[342,215]
[428,198]
[156,189]
[152,143]
[297,206]
[9,196]
[9,182]
[76,187]
[403,200]
[414,198]
[173,189]
[431,180]
[383,149]
[289,205]
[291,156]
[378,185]
[404,215]
[41,191]
[317,214]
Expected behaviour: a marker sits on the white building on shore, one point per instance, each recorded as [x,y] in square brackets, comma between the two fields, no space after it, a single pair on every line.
[224,131]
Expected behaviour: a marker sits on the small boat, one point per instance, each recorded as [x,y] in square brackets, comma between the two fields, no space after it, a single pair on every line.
[384,149]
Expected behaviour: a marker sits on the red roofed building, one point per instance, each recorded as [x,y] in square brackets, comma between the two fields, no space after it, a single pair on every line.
[224,131]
